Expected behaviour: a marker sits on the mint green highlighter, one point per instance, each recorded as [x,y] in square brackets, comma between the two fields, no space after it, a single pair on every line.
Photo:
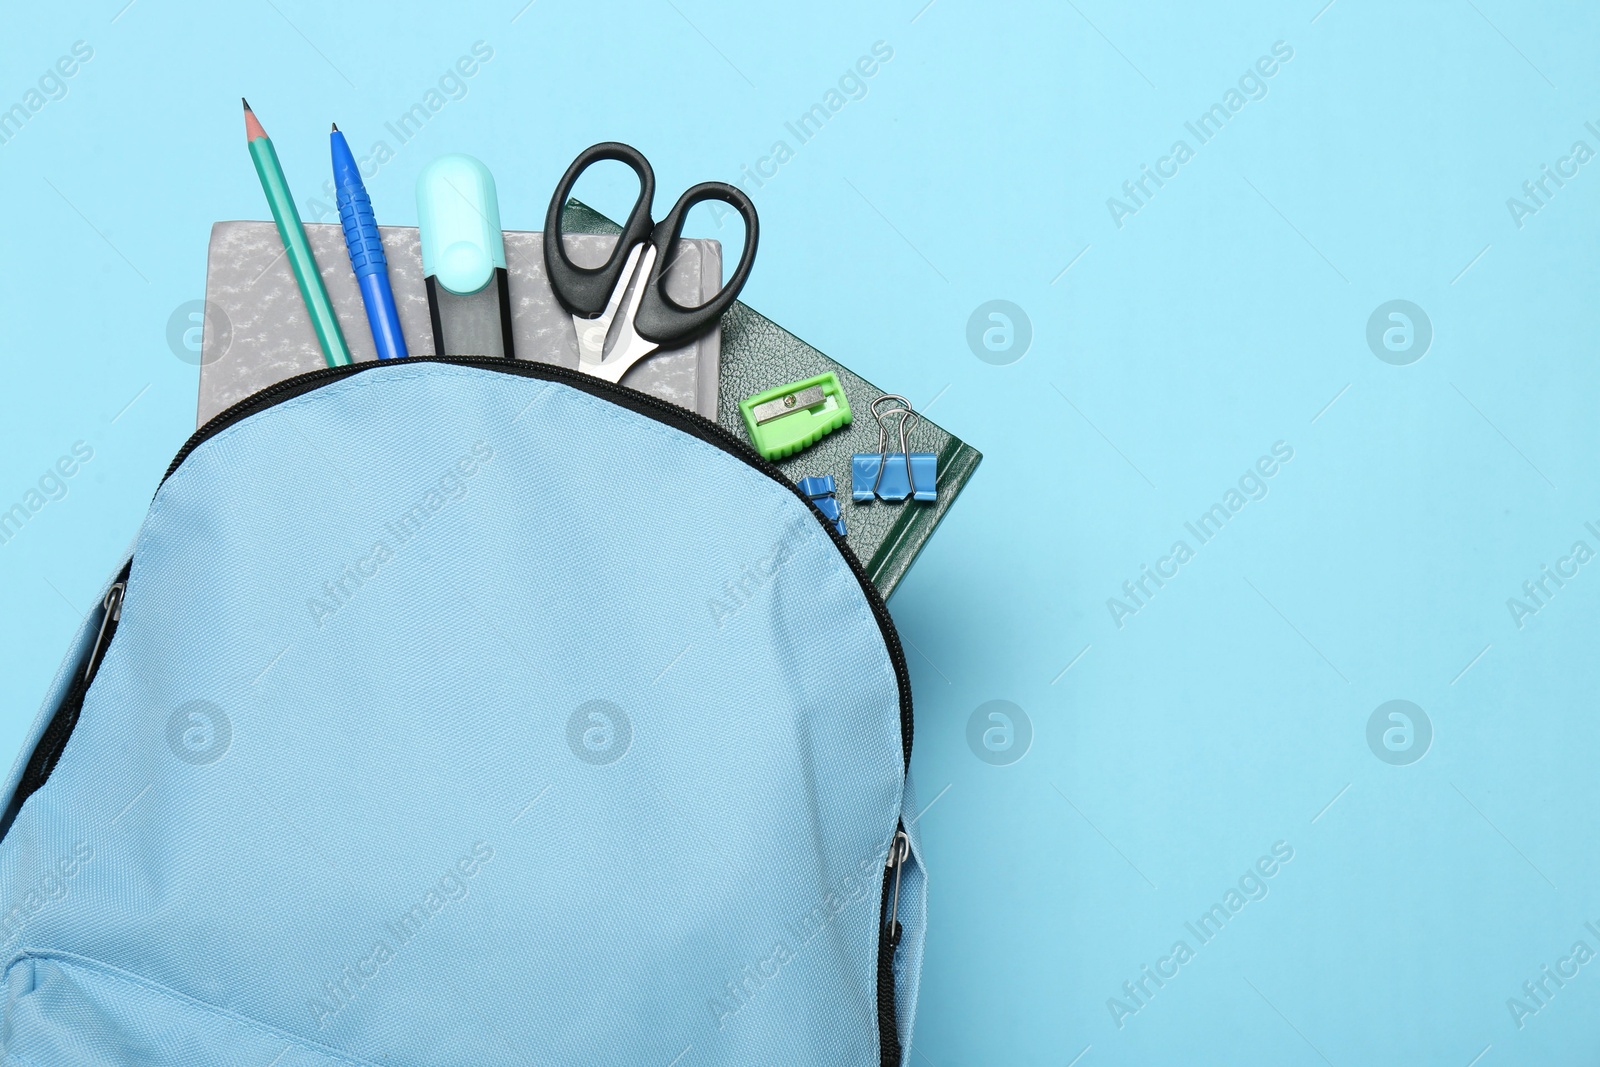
[785,419]
[463,251]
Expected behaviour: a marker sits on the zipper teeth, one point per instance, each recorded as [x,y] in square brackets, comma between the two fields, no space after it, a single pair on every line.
[690,421]
[889,1052]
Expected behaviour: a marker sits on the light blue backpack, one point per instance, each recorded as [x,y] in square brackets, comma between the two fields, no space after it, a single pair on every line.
[469,712]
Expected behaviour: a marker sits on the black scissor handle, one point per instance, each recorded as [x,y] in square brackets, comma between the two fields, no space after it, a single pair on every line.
[585,290]
[662,319]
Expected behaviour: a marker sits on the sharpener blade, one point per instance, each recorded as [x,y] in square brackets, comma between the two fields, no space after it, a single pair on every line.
[787,404]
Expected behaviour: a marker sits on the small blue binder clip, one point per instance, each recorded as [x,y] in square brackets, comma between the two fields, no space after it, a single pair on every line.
[819,490]
[894,475]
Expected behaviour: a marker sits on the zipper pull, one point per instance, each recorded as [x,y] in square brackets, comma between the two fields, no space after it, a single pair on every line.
[899,850]
[113,613]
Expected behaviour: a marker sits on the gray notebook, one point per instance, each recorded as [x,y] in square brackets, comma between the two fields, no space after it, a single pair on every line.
[257,331]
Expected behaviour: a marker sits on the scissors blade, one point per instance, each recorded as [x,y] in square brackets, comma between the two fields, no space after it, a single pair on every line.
[592,333]
[591,339]
[629,348]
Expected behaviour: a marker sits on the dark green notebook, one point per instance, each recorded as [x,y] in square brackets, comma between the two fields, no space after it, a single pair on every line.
[758,354]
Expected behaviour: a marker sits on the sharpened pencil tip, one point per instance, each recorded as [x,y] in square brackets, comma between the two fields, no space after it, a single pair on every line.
[252,125]
[246,103]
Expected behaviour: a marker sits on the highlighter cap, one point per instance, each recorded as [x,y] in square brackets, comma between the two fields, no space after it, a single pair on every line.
[459,216]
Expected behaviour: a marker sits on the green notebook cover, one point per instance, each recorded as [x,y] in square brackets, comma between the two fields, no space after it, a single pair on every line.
[759,354]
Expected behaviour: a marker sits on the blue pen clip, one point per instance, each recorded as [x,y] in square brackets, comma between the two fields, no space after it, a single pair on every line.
[894,475]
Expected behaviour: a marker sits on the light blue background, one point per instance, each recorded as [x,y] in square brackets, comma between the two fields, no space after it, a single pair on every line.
[1229,313]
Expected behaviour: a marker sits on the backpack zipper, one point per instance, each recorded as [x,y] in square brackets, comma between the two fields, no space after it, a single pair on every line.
[48,751]
[899,851]
[112,614]
[889,1052]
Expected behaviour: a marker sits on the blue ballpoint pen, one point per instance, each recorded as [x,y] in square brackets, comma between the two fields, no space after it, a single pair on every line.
[366,251]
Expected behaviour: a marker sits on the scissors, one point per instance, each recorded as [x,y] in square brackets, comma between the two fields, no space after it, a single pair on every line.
[642,255]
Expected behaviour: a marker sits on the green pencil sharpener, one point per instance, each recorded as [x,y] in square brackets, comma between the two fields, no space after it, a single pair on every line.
[788,418]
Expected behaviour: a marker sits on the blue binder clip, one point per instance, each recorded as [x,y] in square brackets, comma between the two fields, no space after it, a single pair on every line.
[894,475]
[819,490]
